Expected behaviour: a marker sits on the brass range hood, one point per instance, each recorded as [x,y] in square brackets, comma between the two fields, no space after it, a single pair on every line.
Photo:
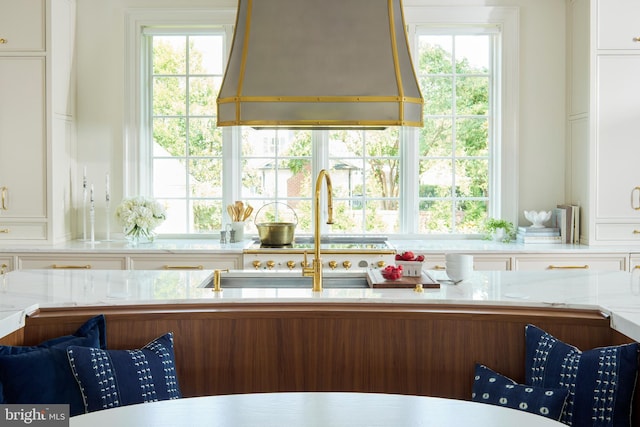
[320,64]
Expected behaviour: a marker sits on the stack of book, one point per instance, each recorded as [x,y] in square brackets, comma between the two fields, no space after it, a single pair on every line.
[567,219]
[538,235]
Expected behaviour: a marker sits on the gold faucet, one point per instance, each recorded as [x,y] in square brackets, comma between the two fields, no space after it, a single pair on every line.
[315,271]
[216,279]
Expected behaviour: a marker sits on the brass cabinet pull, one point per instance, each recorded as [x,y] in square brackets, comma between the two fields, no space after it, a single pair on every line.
[439,267]
[636,39]
[568,267]
[85,267]
[3,268]
[4,230]
[3,203]
[4,41]
[183,267]
[635,267]
[636,231]
[633,205]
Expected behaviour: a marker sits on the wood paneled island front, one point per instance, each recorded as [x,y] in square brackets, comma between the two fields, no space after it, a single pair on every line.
[393,341]
[390,348]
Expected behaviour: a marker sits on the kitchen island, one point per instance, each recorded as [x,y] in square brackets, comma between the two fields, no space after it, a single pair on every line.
[367,340]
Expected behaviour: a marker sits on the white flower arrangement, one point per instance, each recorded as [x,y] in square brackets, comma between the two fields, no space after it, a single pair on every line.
[139,216]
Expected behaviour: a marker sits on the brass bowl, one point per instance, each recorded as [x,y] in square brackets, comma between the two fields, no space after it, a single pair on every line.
[276,233]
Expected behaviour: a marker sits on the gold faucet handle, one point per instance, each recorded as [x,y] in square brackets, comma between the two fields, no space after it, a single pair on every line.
[216,279]
[305,263]
[306,267]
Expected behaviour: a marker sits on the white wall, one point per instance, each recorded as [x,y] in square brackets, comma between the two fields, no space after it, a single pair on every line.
[100,104]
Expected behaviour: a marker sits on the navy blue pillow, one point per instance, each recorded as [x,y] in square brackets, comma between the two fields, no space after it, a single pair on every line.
[111,378]
[495,389]
[41,375]
[601,381]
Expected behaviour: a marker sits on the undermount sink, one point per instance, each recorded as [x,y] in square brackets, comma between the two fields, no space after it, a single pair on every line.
[286,279]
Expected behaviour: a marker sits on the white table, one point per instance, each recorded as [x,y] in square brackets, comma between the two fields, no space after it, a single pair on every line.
[311,409]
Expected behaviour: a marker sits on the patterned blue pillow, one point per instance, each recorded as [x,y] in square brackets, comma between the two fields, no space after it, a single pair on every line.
[41,375]
[110,378]
[601,381]
[495,389]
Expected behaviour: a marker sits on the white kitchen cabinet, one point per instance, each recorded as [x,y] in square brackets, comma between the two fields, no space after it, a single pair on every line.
[536,262]
[22,25]
[186,262]
[603,141]
[72,261]
[618,24]
[23,141]
[36,119]
[618,138]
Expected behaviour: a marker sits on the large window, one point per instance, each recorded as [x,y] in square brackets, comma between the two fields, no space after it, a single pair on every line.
[455,73]
[443,179]
[185,71]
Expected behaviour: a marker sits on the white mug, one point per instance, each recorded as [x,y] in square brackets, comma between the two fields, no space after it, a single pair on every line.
[458,266]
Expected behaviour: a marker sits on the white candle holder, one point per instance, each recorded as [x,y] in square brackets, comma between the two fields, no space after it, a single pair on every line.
[92,221]
[84,208]
[107,217]
[107,209]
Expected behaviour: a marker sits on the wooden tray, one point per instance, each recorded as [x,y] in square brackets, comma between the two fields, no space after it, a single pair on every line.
[375,280]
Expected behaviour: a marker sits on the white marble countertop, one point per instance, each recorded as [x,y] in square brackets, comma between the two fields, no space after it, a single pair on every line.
[212,245]
[615,293]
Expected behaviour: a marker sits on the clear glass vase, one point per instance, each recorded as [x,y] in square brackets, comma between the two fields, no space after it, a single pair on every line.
[137,236]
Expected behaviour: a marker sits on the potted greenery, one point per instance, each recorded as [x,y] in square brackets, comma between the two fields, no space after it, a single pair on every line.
[499,230]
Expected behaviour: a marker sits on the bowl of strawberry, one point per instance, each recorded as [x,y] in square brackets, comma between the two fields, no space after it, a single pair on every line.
[411,263]
[392,272]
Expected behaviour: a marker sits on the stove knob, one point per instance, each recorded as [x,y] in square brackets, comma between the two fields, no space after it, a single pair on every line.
[256,264]
[291,264]
[333,264]
[346,264]
[271,264]
[381,264]
[305,264]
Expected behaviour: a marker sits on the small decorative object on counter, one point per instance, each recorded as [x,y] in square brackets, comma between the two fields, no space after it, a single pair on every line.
[411,263]
[499,230]
[537,218]
[139,217]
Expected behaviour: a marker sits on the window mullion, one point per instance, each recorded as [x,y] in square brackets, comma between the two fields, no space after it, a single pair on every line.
[409,181]
[319,161]
[231,167]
